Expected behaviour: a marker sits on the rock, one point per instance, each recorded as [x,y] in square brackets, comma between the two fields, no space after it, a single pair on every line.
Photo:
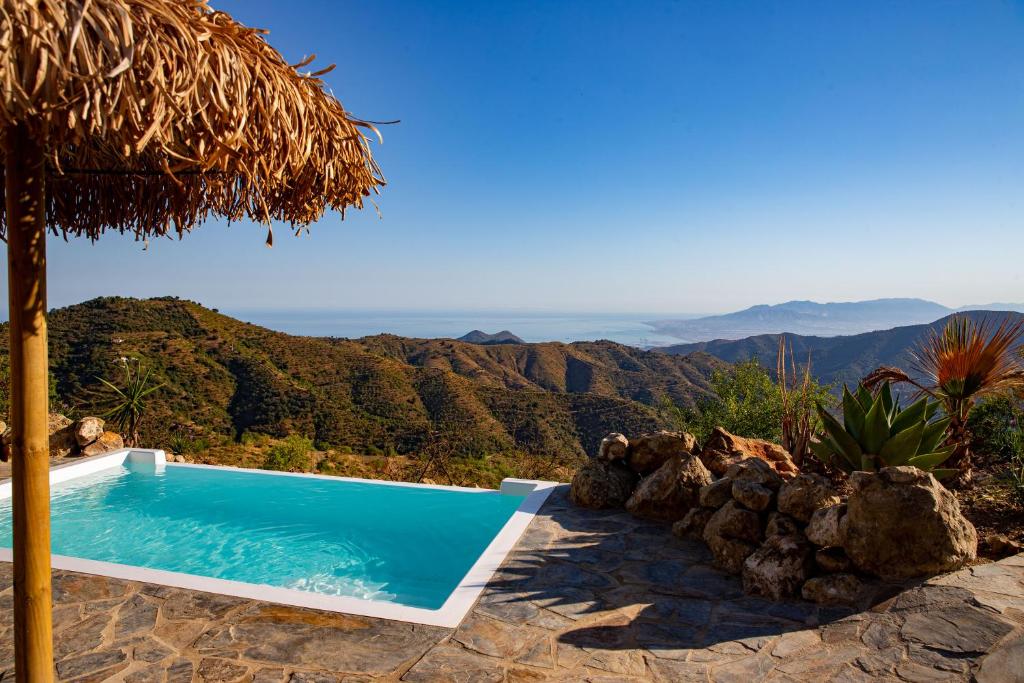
[752,495]
[802,495]
[600,485]
[56,422]
[649,452]
[692,525]
[832,560]
[781,525]
[724,449]
[901,523]
[108,441]
[668,494]
[998,665]
[834,589]
[1002,545]
[757,471]
[62,436]
[613,447]
[179,458]
[717,493]
[87,430]
[779,567]
[730,553]
[732,533]
[826,525]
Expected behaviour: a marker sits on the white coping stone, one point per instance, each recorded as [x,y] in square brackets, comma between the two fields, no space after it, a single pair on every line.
[450,614]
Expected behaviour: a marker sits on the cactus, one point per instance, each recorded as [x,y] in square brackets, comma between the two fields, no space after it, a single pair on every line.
[877,433]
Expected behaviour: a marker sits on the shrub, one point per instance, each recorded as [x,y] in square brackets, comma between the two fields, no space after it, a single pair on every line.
[746,401]
[290,455]
[996,426]
[185,445]
[877,433]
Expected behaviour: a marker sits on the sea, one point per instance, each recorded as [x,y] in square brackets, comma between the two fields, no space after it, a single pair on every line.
[630,329]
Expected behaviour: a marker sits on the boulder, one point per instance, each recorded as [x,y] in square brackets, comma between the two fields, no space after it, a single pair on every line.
[781,525]
[826,526]
[62,436]
[723,450]
[88,429]
[108,441]
[832,560]
[802,495]
[834,589]
[669,493]
[613,447]
[1001,545]
[716,494]
[779,568]
[732,533]
[692,525]
[56,422]
[647,453]
[757,471]
[602,485]
[752,495]
[901,523]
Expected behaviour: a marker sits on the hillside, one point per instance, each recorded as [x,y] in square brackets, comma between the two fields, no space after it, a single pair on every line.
[833,359]
[806,318]
[379,394]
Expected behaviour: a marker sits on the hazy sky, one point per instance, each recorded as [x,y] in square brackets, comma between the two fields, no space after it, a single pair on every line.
[654,157]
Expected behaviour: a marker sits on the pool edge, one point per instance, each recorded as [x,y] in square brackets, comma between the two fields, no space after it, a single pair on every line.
[455,608]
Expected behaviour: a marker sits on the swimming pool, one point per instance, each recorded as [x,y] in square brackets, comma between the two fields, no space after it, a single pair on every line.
[401,551]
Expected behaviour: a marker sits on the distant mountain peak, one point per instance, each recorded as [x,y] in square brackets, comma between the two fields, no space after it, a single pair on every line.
[806,317]
[503,337]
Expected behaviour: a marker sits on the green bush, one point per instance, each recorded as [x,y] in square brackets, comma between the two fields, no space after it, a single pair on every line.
[185,445]
[291,455]
[996,427]
[747,401]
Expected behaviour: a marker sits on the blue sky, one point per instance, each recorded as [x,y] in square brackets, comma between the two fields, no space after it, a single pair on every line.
[652,157]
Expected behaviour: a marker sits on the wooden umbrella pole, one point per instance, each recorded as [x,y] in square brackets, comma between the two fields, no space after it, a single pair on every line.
[26,259]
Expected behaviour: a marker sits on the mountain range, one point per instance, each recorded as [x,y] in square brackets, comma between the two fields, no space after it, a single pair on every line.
[817,319]
[840,359]
[385,393]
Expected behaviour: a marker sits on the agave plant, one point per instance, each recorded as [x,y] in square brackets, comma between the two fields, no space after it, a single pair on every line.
[960,365]
[876,432]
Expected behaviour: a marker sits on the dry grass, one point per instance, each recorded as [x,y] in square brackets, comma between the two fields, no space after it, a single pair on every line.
[156,114]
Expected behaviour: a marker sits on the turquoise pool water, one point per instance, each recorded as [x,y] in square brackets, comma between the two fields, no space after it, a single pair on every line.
[407,545]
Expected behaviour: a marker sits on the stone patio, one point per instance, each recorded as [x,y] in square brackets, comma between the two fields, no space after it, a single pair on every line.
[586,596]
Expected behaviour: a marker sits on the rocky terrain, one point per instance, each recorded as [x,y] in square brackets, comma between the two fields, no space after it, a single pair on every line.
[787,533]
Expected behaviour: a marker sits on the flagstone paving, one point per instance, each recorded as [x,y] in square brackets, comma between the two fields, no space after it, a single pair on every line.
[585,596]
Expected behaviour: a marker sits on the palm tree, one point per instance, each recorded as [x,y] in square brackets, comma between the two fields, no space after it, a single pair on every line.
[127,403]
[960,365]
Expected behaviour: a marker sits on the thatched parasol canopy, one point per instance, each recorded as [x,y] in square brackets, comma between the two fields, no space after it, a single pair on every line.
[145,117]
[157,114]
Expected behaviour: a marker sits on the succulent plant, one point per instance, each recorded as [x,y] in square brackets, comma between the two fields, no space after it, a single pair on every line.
[877,433]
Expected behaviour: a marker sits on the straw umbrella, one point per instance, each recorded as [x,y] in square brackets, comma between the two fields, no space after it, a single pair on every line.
[143,117]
